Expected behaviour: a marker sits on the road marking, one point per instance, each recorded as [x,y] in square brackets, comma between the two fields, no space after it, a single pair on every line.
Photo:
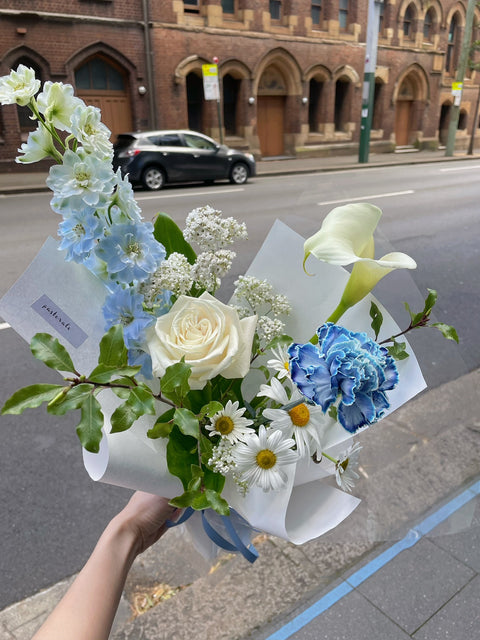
[353,581]
[185,194]
[374,196]
[4,325]
[462,168]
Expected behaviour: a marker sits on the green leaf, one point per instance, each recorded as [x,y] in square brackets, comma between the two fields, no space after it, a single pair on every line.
[89,429]
[377,319]
[430,301]
[185,500]
[216,502]
[206,448]
[181,454]
[200,502]
[211,408]
[333,412]
[397,350]
[187,422]
[139,402]
[49,350]
[113,352]
[447,331]
[104,373]
[174,382]
[167,232]
[31,397]
[71,400]
[213,480]
[163,426]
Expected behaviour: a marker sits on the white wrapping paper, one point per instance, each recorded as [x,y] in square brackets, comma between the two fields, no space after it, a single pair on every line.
[65,300]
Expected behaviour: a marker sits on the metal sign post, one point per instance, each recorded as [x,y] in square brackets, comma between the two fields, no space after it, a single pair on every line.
[368,92]
[211,90]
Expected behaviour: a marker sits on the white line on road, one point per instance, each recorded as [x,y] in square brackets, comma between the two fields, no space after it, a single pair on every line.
[4,325]
[462,168]
[370,197]
[185,194]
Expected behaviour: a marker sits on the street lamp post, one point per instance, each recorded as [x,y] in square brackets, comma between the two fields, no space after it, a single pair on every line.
[462,67]
[368,93]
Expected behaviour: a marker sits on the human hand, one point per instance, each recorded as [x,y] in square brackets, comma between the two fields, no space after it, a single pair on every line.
[145,516]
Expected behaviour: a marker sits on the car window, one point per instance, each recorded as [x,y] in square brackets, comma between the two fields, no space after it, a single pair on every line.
[197,142]
[166,140]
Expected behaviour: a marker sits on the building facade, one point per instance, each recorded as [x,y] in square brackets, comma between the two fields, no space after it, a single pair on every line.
[290,71]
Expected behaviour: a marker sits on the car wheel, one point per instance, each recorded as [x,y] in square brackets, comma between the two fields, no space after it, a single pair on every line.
[239,173]
[153,178]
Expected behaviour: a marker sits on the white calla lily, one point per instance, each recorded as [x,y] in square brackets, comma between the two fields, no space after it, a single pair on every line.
[346,237]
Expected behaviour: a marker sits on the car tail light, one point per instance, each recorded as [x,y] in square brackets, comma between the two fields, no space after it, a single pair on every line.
[129,153]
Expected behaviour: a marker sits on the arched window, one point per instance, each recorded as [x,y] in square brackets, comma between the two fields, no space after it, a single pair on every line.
[408,22]
[231,90]
[24,113]
[452,44]
[342,103]
[429,24]
[314,104]
[377,105]
[462,120]
[97,74]
[195,101]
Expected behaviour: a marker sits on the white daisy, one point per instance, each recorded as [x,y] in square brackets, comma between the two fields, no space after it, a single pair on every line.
[280,362]
[345,473]
[230,423]
[260,459]
[303,422]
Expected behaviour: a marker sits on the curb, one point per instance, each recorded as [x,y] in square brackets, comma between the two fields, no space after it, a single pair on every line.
[409,160]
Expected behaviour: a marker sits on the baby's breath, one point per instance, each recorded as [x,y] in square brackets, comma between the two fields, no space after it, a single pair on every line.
[206,228]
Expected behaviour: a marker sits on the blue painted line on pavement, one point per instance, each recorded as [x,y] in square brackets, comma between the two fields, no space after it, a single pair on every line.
[347,586]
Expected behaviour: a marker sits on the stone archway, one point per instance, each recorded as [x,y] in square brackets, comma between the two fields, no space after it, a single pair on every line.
[101,82]
[410,97]
[271,92]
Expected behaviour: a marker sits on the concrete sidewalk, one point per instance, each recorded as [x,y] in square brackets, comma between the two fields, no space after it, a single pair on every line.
[25,181]
[412,462]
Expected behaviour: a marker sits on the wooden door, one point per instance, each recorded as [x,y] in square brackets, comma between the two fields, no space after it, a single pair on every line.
[403,110]
[270,124]
[116,113]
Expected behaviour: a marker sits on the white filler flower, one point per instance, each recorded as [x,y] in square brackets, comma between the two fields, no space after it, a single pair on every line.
[259,461]
[230,423]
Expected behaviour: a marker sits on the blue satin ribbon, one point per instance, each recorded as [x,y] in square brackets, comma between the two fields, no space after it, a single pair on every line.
[236,544]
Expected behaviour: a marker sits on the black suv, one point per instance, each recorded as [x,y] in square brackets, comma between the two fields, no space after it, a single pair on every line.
[153,158]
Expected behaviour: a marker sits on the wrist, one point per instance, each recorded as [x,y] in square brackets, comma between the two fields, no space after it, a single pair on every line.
[123,538]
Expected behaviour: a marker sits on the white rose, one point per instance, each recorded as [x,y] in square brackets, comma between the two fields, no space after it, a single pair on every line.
[208,334]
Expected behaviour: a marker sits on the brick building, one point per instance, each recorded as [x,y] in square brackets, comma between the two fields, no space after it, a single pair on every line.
[290,71]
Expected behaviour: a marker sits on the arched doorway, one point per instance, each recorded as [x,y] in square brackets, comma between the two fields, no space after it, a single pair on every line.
[194,86]
[403,112]
[444,123]
[102,83]
[272,92]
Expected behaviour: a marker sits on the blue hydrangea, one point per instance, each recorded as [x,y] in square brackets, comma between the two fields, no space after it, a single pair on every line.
[125,307]
[80,233]
[347,365]
[130,252]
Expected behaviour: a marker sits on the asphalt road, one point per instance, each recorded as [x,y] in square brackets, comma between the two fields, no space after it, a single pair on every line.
[52,512]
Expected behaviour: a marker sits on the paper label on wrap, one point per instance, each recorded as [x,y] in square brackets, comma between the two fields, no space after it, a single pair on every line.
[59,320]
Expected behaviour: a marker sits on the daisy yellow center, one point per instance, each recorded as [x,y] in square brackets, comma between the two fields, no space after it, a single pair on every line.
[344,464]
[286,365]
[299,415]
[224,425]
[266,459]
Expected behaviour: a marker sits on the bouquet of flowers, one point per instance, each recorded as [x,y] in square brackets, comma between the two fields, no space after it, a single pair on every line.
[214,405]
